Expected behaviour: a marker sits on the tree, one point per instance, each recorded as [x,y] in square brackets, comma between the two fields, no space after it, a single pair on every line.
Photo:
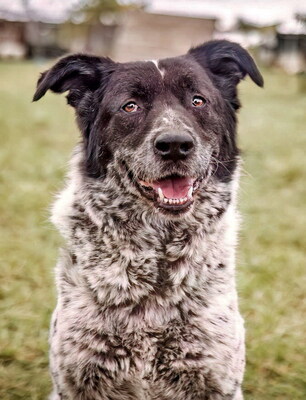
[93,10]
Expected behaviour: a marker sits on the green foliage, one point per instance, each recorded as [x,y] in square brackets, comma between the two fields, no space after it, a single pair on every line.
[36,140]
[93,10]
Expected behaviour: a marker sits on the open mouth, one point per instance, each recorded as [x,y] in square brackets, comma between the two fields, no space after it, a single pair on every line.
[174,193]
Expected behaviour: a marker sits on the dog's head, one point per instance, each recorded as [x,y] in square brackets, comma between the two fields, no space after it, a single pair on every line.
[167,125]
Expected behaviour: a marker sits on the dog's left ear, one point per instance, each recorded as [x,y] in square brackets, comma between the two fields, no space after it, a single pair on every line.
[77,74]
[227,63]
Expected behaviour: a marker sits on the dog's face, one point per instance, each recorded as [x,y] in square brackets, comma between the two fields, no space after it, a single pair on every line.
[168,125]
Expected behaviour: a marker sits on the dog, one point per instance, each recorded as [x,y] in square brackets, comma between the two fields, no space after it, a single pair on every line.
[147,304]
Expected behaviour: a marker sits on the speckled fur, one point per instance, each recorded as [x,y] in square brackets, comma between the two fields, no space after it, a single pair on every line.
[147,304]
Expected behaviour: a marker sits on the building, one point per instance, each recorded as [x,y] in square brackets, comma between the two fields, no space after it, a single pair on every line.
[46,28]
[162,28]
[291,45]
[145,35]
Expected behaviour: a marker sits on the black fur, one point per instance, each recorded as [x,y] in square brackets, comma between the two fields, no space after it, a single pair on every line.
[97,88]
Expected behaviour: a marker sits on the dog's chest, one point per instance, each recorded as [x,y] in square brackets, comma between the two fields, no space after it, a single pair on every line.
[143,268]
[142,302]
[141,274]
[158,338]
[148,288]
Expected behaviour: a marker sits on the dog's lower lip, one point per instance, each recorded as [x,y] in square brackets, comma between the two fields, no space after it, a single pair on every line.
[175,207]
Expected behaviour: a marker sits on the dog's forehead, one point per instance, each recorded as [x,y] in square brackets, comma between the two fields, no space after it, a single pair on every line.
[152,75]
[184,72]
[142,77]
[179,66]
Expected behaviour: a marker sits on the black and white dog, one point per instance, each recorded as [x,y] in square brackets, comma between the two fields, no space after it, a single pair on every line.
[147,304]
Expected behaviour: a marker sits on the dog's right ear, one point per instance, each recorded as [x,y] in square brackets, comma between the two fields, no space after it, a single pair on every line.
[77,74]
[228,63]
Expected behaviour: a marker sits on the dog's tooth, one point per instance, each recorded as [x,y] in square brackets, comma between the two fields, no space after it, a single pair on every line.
[170,201]
[189,194]
[160,194]
[166,200]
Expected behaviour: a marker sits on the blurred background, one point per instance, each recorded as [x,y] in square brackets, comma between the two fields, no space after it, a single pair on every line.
[128,30]
[36,141]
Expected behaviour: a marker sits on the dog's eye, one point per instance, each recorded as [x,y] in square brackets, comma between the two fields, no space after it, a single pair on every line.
[198,101]
[130,107]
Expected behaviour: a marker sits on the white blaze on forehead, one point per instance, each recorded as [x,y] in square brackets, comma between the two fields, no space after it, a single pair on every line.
[155,62]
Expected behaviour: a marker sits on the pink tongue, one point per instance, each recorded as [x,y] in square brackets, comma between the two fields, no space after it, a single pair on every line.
[175,188]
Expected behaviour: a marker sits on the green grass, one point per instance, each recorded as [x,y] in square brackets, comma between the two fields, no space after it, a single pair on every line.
[36,141]
[272,258]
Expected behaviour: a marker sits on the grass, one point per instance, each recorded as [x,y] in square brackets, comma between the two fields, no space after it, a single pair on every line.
[36,140]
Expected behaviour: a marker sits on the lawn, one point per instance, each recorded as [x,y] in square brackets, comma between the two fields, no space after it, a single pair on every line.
[36,140]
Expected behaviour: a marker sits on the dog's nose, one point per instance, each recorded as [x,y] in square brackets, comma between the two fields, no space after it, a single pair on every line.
[173,146]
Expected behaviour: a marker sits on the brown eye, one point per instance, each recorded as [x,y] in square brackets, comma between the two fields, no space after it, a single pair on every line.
[198,101]
[130,107]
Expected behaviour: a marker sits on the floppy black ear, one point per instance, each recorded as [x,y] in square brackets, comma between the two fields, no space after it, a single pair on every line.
[77,73]
[227,63]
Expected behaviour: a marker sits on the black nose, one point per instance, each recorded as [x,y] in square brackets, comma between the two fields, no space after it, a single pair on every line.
[174,146]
